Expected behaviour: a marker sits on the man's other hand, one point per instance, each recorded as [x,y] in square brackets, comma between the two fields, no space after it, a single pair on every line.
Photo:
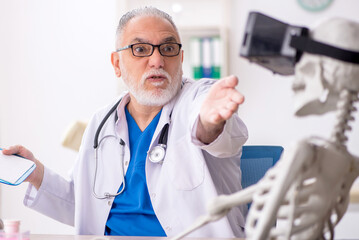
[35,178]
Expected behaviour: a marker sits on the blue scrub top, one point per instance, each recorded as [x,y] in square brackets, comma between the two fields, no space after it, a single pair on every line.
[132,213]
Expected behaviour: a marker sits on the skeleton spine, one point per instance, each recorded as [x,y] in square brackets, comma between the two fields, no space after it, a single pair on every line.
[345,110]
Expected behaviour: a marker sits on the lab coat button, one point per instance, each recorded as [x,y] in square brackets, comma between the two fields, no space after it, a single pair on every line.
[153,195]
[168,228]
[126,163]
[109,203]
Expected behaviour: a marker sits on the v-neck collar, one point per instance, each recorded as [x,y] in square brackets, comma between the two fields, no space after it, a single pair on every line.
[132,124]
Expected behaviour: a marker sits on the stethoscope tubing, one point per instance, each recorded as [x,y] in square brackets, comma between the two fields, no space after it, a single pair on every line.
[106,194]
[96,143]
[162,143]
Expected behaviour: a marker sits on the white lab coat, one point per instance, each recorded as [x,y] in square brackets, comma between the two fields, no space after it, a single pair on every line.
[190,176]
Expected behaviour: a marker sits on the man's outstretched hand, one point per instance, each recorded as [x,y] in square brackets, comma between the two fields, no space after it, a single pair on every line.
[221,103]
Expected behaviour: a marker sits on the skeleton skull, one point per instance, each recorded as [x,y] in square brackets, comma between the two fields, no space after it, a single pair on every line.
[319,79]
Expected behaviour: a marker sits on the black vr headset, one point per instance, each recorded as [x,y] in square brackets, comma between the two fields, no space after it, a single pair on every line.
[278,46]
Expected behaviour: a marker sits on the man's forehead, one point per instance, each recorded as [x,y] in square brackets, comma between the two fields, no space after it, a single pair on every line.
[142,28]
[170,39]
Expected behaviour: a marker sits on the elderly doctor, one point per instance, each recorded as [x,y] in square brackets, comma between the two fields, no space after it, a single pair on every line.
[150,161]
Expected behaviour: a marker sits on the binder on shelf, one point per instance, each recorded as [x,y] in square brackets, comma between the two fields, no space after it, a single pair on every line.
[216,57]
[195,60]
[14,169]
[206,57]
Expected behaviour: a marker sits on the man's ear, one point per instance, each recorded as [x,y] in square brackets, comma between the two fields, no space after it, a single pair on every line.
[182,56]
[115,60]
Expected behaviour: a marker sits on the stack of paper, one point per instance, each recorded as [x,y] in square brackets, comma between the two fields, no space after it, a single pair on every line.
[14,169]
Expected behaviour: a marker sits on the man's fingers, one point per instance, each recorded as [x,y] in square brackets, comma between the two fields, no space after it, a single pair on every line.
[229,85]
[228,82]
[231,81]
[216,118]
[226,113]
[12,150]
[223,113]
[236,97]
[232,106]
[19,150]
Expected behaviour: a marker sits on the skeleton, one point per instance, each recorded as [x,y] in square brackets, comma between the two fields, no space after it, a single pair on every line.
[308,189]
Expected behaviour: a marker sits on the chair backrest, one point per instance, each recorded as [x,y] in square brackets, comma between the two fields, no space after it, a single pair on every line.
[256,160]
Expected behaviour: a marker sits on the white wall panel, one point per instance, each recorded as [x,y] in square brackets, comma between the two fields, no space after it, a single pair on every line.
[54,68]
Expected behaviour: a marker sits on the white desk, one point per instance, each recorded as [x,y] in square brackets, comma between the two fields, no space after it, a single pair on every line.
[86,237]
[92,237]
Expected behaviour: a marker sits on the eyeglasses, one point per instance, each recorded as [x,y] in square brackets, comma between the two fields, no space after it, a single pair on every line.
[146,49]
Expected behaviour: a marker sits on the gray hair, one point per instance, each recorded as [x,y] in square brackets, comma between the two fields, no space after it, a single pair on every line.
[144,11]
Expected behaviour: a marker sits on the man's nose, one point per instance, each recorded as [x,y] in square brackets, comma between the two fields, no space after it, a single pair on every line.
[156,60]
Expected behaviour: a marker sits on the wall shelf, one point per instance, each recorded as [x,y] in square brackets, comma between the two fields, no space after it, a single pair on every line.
[221,33]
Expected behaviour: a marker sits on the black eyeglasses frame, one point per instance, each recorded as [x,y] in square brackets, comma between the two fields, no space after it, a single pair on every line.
[153,49]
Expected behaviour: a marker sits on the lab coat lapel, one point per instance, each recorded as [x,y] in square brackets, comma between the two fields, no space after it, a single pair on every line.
[165,118]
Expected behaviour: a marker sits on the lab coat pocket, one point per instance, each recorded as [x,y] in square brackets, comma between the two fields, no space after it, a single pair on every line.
[186,165]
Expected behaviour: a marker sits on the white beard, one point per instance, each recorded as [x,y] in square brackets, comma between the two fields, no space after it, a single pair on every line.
[158,96]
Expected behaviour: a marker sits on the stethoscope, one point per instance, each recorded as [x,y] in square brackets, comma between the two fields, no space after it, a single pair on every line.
[156,154]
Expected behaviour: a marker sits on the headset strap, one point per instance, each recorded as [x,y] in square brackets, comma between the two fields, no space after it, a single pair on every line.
[308,45]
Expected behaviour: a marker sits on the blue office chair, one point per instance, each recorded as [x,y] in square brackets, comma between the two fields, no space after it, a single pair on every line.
[255,162]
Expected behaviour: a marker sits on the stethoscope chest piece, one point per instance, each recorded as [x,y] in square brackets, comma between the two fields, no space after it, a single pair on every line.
[157,153]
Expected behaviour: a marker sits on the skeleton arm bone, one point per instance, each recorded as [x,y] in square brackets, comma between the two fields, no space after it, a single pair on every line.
[219,207]
[223,203]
